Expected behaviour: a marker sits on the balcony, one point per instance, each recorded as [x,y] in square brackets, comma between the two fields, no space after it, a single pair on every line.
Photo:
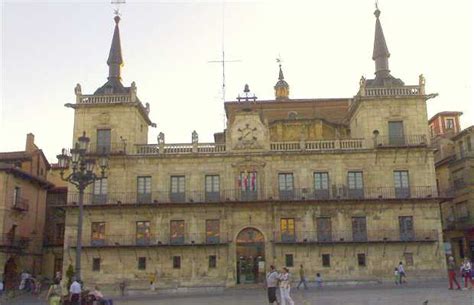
[9,242]
[336,192]
[403,141]
[461,223]
[110,148]
[153,240]
[51,241]
[20,204]
[348,236]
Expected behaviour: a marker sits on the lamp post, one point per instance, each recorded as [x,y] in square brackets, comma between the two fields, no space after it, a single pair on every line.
[81,176]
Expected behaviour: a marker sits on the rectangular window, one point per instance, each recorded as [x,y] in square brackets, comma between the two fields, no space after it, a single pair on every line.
[177,232]
[99,195]
[458,179]
[212,261]
[103,141]
[324,229]
[59,234]
[144,189]
[142,263]
[177,193]
[287,228]
[212,231]
[408,259]
[462,211]
[248,185]
[16,196]
[449,123]
[355,184]
[361,259]
[176,262]
[58,264]
[143,235]
[98,233]
[285,186]
[326,260]
[401,183]
[212,188]
[96,264]
[321,185]
[359,229]
[460,243]
[406,228]
[289,260]
[395,133]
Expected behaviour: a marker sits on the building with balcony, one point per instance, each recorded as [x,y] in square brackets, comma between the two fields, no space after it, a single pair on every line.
[23,188]
[454,157]
[344,186]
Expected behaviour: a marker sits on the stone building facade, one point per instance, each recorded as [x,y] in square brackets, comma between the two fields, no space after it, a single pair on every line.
[344,186]
[23,189]
[454,162]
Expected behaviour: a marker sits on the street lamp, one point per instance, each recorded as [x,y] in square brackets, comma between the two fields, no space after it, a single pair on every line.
[81,176]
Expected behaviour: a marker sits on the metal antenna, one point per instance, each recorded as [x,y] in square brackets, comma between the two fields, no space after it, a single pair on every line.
[223,61]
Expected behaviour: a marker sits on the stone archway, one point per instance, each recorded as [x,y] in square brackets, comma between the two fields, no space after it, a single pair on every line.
[250,250]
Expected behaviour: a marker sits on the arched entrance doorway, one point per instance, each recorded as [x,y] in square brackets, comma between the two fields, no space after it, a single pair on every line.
[10,274]
[250,256]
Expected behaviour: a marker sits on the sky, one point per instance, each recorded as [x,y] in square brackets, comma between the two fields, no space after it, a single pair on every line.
[47,47]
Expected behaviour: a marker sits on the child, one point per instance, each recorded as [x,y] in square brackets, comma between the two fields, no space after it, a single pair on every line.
[319,280]
[397,276]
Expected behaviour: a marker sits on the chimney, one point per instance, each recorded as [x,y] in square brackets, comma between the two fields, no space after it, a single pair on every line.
[30,143]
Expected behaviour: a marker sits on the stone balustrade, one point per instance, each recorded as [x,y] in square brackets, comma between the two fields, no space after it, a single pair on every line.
[104,99]
[395,91]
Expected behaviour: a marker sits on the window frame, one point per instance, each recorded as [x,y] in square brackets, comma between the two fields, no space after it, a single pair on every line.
[96,264]
[326,260]
[288,229]
[144,189]
[178,224]
[177,262]
[361,259]
[289,260]
[212,260]
[141,264]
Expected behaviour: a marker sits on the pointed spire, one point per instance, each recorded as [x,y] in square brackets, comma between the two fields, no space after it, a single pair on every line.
[282,89]
[115,60]
[381,54]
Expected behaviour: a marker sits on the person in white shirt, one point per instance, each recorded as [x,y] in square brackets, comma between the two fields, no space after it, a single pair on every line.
[272,283]
[401,273]
[466,271]
[75,293]
[285,287]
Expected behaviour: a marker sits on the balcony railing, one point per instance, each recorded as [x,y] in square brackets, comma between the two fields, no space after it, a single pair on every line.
[347,236]
[461,154]
[56,199]
[109,148]
[52,241]
[13,242]
[395,91]
[402,141]
[154,240]
[336,192]
[20,204]
[104,99]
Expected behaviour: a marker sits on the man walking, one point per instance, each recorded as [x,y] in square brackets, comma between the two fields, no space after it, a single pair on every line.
[452,273]
[302,279]
[272,282]
[401,273]
[75,292]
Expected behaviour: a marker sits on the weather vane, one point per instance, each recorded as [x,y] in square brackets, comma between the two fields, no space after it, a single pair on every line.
[117,6]
[279,60]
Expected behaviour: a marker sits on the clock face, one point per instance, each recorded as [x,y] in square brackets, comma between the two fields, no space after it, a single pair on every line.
[247,135]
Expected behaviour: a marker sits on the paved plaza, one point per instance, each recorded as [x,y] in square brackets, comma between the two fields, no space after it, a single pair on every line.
[435,292]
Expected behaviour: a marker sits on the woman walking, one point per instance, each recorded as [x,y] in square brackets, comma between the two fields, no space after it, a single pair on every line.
[54,294]
[466,270]
[285,287]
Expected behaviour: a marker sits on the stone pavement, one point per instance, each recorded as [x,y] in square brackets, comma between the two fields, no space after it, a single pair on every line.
[411,294]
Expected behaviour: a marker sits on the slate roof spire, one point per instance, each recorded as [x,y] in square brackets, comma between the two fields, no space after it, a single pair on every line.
[282,89]
[115,63]
[380,54]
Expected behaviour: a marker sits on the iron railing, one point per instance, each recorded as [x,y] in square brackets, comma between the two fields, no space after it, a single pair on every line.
[335,192]
[153,240]
[109,148]
[20,204]
[401,141]
[53,241]
[13,242]
[344,236]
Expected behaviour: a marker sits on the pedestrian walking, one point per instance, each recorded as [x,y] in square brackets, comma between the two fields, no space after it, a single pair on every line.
[397,276]
[466,273]
[54,294]
[319,280]
[75,292]
[401,273]
[452,273]
[302,279]
[272,283]
[285,287]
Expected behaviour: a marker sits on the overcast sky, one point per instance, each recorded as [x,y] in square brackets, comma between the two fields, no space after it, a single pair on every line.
[326,46]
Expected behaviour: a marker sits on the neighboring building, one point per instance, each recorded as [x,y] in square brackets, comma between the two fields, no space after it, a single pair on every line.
[454,159]
[344,186]
[23,187]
